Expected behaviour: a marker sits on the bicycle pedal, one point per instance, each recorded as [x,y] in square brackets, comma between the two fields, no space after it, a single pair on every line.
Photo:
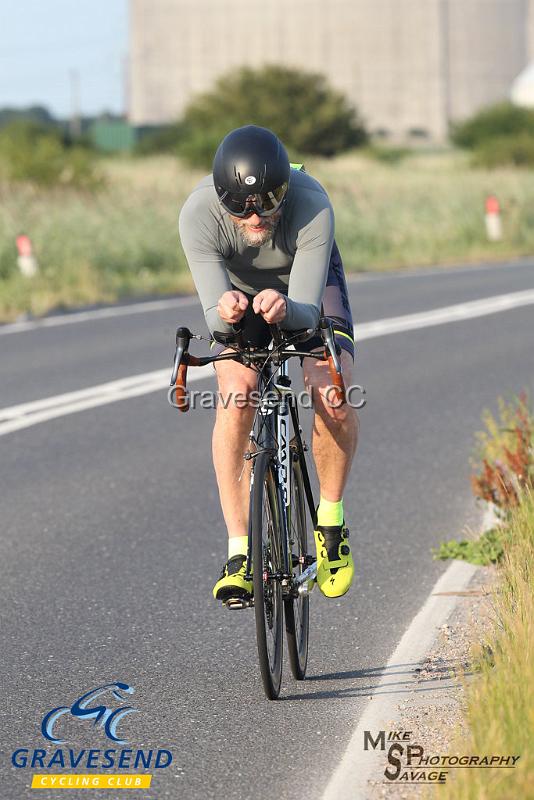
[237,603]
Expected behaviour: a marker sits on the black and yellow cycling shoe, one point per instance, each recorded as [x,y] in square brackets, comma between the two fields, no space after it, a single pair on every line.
[232,582]
[335,566]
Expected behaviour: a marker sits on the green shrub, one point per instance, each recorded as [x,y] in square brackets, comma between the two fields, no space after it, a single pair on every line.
[502,150]
[37,154]
[500,120]
[308,115]
[487,549]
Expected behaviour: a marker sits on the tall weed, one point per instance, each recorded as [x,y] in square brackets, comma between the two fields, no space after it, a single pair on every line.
[500,701]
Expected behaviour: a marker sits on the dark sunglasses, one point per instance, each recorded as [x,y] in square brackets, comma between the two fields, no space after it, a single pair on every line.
[264,204]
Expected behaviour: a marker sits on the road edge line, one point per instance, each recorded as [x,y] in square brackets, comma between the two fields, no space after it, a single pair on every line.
[349,781]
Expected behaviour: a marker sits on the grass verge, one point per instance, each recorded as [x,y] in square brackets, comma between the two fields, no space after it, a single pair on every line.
[500,701]
[122,240]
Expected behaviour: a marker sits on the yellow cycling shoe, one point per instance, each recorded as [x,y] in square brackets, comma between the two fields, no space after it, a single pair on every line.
[335,566]
[232,582]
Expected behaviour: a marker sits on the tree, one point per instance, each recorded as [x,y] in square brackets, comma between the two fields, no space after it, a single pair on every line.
[308,115]
[501,119]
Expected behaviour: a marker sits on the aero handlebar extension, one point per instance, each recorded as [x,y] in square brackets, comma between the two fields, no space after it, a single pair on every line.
[183,359]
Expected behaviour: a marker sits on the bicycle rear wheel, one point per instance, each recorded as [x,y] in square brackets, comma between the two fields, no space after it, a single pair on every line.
[266,564]
[297,609]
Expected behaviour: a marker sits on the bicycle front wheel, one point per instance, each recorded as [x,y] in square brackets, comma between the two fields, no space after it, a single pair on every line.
[297,609]
[266,568]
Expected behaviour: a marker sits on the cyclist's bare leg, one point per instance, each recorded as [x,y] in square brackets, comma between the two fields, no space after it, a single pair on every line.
[335,430]
[230,441]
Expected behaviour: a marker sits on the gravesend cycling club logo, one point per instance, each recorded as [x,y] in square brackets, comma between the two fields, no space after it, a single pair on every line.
[103,708]
[106,718]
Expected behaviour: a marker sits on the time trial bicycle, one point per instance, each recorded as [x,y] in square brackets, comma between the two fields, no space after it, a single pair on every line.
[278,563]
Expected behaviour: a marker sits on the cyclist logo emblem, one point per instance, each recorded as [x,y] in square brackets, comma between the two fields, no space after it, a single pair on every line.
[104,716]
[250,180]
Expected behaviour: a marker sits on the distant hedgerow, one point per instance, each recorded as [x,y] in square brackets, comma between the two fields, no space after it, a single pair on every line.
[33,153]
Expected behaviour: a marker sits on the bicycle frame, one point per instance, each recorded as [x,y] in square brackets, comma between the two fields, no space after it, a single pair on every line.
[272,420]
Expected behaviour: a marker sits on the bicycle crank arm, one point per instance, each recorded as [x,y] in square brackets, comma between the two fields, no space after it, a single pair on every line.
[306,581]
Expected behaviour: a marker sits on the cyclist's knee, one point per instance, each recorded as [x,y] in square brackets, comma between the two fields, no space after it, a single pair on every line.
[236,386]
[327,405]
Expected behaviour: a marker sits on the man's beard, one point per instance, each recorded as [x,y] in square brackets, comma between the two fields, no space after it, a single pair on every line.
[257,238]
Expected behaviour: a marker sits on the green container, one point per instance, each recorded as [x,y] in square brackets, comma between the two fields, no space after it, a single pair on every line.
[112,136]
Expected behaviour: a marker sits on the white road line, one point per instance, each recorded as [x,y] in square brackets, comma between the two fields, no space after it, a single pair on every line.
[97,313]
[440,316]
[439,270]
[357,766]
[111,388]
[26,414]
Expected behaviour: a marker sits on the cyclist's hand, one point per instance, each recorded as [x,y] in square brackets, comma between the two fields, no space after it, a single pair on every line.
[231,306]
[271,305]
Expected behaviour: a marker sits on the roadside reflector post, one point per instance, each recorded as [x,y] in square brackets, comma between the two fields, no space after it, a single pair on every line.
[493,219]
[27,263]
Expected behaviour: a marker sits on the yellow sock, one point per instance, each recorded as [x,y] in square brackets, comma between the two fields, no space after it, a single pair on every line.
[237,546]
[330,513]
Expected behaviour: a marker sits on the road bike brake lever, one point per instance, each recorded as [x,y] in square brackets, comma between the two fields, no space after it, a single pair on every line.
[183,337]
[176,366]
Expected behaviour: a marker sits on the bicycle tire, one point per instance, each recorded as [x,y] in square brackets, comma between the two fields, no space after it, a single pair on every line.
[297,609]
[266,560]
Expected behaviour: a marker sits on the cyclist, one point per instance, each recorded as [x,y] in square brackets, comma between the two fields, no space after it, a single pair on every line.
[258,235]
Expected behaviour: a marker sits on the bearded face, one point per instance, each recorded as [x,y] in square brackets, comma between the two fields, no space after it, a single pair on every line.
[255,230]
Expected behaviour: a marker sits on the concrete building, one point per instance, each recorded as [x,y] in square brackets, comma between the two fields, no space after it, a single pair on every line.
[409,66]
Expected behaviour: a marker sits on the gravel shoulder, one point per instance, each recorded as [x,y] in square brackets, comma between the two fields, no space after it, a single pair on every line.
[433,698]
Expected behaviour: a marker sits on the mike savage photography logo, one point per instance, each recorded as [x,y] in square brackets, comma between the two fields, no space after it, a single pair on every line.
[103,709]
[409,763]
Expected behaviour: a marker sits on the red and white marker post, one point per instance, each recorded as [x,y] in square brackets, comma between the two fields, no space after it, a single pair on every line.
[493,219]
[27,263]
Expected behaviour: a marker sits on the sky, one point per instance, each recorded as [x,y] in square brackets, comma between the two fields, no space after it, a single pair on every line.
[43,42]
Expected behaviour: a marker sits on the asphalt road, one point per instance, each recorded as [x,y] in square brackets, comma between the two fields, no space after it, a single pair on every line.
[111,539]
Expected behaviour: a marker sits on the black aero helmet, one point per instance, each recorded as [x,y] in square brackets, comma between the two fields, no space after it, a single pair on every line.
[251,172]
